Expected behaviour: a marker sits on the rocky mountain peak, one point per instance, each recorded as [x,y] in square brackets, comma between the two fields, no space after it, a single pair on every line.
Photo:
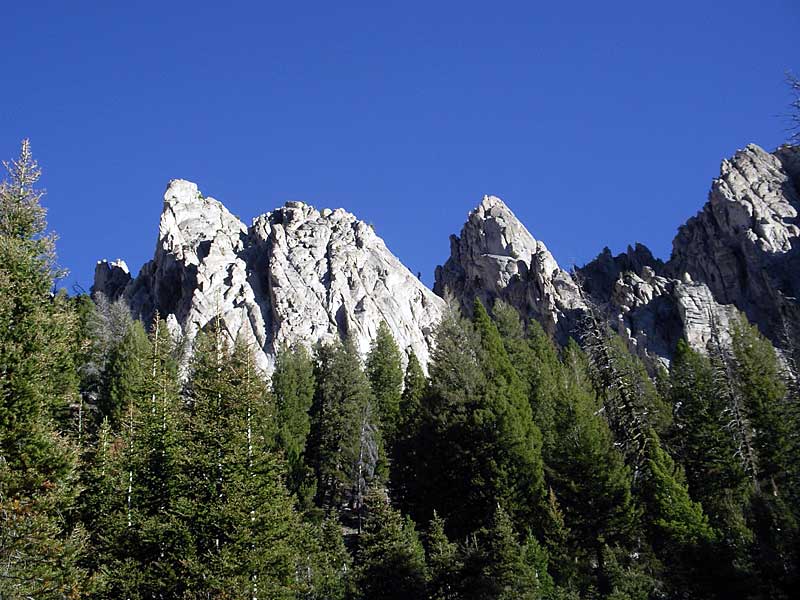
[497,257]
[744,242]
[296,275]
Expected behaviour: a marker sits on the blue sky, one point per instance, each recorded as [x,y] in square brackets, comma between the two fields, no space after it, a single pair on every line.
[599,123]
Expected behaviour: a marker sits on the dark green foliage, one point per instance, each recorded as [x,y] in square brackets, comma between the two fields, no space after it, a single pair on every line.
[39,547]
[701,441]
[385,373]
[535,359]
[345,447]
[126,375]
[415,386]
[293,388]
[759,383]
[444,562]
[498,566]
[678,521]
[390,560]
[476,441]
[592,484]
[238,511]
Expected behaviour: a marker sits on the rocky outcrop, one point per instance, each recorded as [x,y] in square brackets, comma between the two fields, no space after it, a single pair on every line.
[302,275]
[744,242]
[497,257]
[297,275]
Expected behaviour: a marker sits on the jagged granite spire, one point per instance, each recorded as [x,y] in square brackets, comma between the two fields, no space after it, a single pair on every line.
[497,257]
[296,275]
[744,242]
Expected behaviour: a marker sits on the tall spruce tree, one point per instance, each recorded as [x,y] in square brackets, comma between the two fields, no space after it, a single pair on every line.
[497,565]
[405,458]
[345,446]
[39,548]
[591,482]
[415,385]
[126,375]
[293,388]
[505,422]
[235,504]
[385,372]
[477,443]
[390,559]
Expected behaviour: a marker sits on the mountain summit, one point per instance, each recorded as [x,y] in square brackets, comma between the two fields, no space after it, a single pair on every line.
[299,275]
[296,275]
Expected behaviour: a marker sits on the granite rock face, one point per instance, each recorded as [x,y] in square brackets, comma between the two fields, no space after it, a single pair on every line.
[739,253]
[297,275]
[497,257]
[744,242]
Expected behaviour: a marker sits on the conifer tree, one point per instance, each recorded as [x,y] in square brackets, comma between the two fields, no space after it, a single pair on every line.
[443,561]
[345,447]
[238,511]
[39,549]
[477,443]
[535,358]
[385,372]
[414,387]
[405,458]
[390,559]
[498,566]
[126,375]
[513,440]
[759,383]
[702,444]
[439,473]
[631,404]
[293,388]
[591,482]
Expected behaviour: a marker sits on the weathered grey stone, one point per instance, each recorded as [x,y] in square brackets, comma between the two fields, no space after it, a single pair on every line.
[111,277]
[496,257]
[295,276]
[744,242]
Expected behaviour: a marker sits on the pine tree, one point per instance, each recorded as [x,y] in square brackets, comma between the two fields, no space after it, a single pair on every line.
[39,549]
[385,373]
[326,569]
[125,376]
[439,471]
[535,359]
[631,404]
[589,477]
[476,441]
[415,385]
[293,388]
[506,424]
[390,559]
[443,562]
[235,504]
[759,383]
[702,445]
[405,457]
[345,447]
[498,566]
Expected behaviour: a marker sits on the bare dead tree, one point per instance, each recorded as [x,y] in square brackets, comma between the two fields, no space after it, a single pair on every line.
[794,115]
[624,407]
[734,413]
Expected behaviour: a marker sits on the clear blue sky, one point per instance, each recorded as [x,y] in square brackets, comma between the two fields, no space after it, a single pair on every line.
[599,123]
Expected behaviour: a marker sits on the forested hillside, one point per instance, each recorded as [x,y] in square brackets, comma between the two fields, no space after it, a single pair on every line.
[131,467]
